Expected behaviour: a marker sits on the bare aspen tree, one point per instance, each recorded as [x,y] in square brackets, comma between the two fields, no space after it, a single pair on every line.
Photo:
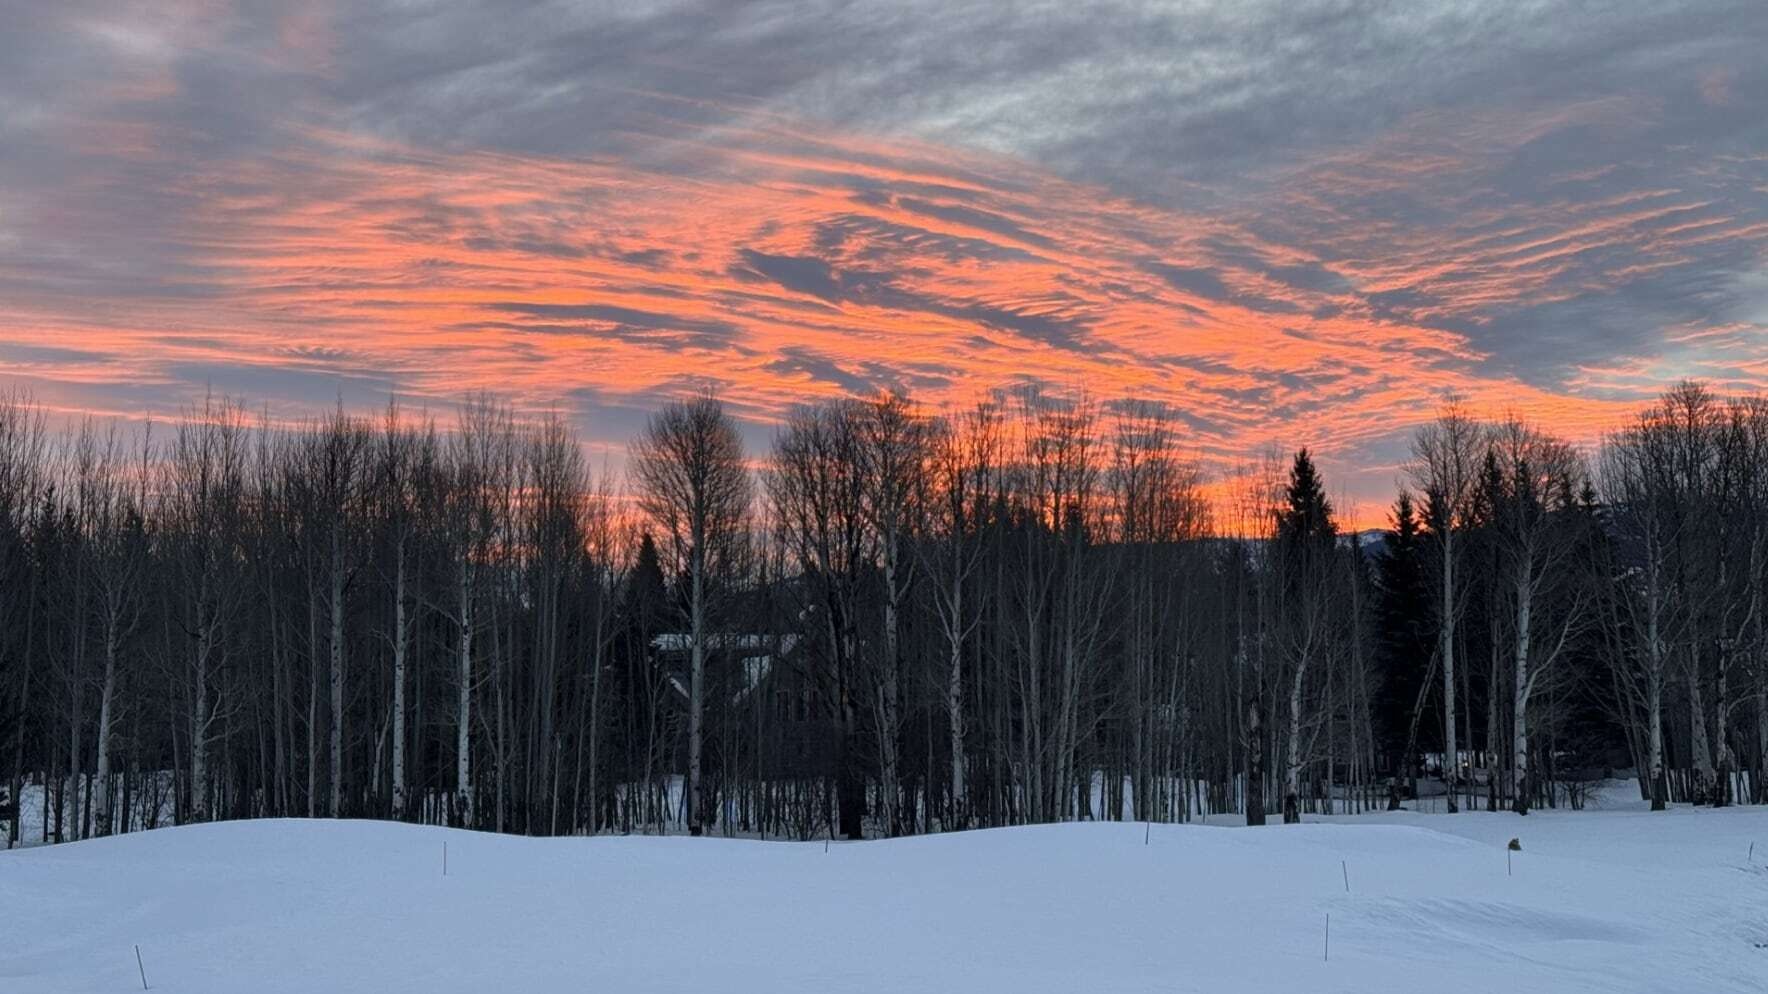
[114,514]
[1444,453]
[893,453]
[206,480]
[964,453]
[1255,501]
[23,445]
[606,549]
[817,494]
[552,550]
[1159,513]
[334,458]
[405,459]
[695,487]
[1753,627]
[473,465]
[1538,531]
[1638,486]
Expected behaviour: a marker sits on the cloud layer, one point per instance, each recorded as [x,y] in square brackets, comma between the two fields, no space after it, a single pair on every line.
[1289,224]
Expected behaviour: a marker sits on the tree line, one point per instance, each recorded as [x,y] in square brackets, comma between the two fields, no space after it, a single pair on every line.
[891,622]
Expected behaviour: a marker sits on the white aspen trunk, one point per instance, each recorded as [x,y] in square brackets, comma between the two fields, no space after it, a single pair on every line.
[199,736]
[103,800]
[380,752]
[595,729]
[1759,784]
[1758,788]
[312,700]
[1520,698]
[696,679]
[954,706]
[399,641]
[463,753]
[1451,752]
[1654,703]
[1061,800]
[1292,753]
[1697,723]
[1034,738]
[72,788]
[500,746]
[1254,790]
[279,722]
[1654,683]
[335,804]
[1722,757]
[888,717]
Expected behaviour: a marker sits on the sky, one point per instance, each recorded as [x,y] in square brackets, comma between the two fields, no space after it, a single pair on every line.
[1289,223]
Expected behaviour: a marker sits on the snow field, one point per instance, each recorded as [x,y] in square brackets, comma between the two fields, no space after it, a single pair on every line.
[1599,901]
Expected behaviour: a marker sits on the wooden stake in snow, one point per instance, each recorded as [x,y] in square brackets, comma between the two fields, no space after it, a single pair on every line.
[141,968]
[445,857]
[1347,875]
[1147,831]
[1326,954]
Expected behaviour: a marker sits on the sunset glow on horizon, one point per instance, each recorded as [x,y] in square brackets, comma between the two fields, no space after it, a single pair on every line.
[259,203]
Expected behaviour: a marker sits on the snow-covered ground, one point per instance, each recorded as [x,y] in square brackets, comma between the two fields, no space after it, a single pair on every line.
[1602,900]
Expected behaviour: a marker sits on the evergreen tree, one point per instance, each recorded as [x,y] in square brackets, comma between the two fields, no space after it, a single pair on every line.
[1304,522]
[1403,600]
[1312,616]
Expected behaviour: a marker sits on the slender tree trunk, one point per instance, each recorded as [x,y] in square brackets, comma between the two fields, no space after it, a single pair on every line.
[335,806]
[1520,692]
[696,685]
[1760,785]
[1446,650]
[463,753]
[199,734]
[1654,684]
[1722,760]
[595,731]
[1293,764]
[399,651]
[1255,751]
[106,699]
[954,707]
[1700,744]
[312,697]
[15,826]
[1654,703]
[889,789]
[278,712]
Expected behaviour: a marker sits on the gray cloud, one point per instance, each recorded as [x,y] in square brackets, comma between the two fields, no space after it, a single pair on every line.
[628,323]
[1448,165]
[819,279]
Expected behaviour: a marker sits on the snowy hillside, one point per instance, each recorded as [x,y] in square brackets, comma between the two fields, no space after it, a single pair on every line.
[1599,901]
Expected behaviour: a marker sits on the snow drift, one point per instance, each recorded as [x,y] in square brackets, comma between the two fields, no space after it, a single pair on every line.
[1595,901]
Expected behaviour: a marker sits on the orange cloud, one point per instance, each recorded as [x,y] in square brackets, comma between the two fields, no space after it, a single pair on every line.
[785,264]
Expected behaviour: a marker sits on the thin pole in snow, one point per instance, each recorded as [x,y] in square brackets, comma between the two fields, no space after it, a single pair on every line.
[1752,852]
[1147,831]
[445,857]
[1347,875]
[1326,954]
[1507,870]
[825,845]
[141,968]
